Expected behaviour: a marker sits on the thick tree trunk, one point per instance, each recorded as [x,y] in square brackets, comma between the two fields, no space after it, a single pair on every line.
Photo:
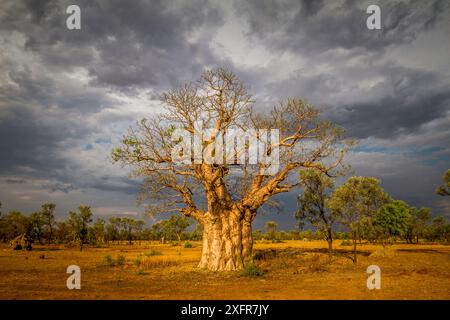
[222,242]
[247,236]
[247,242]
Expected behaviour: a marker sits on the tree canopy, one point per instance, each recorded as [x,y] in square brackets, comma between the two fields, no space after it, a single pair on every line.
[355,203]
[312,202]
[392,219]
[444,189]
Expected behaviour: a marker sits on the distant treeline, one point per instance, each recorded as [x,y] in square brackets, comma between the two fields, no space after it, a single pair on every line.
[431,230]
[80,229]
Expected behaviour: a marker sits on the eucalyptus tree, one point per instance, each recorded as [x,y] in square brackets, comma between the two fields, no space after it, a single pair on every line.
[312,203]
[355,203]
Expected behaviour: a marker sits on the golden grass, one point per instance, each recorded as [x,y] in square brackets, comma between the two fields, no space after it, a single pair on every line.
[292,270]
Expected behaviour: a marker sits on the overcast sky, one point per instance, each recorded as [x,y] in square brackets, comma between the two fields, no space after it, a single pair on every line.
[67,96]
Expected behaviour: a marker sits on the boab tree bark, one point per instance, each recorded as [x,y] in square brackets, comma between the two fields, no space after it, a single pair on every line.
[211,157]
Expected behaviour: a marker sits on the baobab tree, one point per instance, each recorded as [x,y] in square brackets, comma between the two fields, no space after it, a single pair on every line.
[231,163]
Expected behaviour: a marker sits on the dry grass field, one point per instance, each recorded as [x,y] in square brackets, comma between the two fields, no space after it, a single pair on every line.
[292,270]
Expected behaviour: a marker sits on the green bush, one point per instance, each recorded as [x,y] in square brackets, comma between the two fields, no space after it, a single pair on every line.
[141,272]
[153,252]
[346,243]
[120,260]
[137,262]
[187,244]
[252,270]
[109,261]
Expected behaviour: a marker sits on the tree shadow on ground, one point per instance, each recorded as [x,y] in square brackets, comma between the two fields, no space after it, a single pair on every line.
[422,251]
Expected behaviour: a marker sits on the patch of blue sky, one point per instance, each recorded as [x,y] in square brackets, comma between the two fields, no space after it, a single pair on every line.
[88,147]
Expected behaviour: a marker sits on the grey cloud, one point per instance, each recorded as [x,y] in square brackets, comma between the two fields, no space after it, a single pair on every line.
[400,100]
[121,43]
[57,186]
[411,99]
[311,27]
[44,113]
[49,113]
[15,181]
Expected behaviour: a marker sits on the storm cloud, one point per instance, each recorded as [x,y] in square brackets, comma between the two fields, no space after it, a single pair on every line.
[67,96]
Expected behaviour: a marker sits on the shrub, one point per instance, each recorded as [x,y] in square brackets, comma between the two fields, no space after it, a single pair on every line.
[120,260]
[153,252]
[346,243]
[137,262]
[109,261]
[141,272]
[251,270]
[187,244]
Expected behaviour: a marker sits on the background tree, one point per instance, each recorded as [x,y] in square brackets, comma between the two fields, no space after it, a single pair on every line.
[126,225]
[14,224]
[130,228]
[392,220]
[357,201]
[37,225]
[177,225]
[418,224]
[172,228]
[311,203]
[366,230]
[98,231]
[138,227]
[223,201]
[158,232]
[439,229]
[271,230]
[62,232]
[444,190]
[79,222]
[257,234]
[48,219]
[112,229]
[197,232]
